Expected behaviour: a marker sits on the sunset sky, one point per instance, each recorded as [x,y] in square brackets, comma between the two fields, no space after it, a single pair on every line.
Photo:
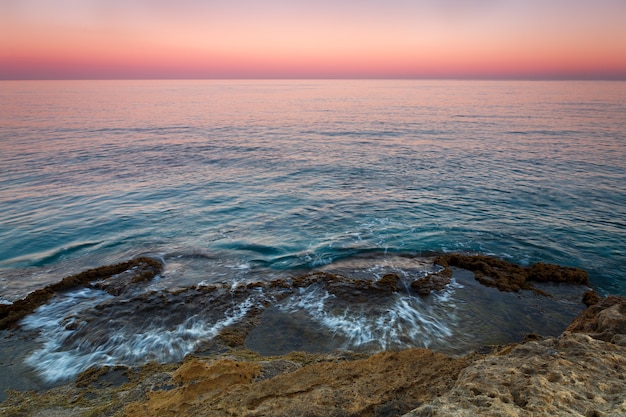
[94,39]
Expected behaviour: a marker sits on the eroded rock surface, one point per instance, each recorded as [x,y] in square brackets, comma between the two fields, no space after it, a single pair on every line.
[605,320]
[576,374]
[573,375]
[432,282]
[384,384]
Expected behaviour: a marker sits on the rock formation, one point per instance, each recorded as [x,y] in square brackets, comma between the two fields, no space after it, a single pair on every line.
[582,372]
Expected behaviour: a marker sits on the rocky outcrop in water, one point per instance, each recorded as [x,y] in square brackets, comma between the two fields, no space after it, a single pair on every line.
[574,374]
[497,273]
[134,271]
[506,276]
[432,282]
[580,373]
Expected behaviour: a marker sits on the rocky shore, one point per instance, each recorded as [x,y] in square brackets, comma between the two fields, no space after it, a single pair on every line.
[582,372]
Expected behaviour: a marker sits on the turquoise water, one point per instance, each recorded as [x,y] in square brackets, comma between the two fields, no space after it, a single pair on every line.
[236,181]
[237,178]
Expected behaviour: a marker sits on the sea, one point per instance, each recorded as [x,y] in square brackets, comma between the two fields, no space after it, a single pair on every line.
[234,181]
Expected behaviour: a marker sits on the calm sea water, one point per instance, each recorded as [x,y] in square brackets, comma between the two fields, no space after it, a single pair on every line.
[229,181]
[294,174]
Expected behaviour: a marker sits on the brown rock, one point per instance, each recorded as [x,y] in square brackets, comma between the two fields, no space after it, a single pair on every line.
[384,384]
[542,272]
[505,276]
[605,320]
[573,375]
[136,270]
[590,298]
[432,282]
[389,282]
[488,270]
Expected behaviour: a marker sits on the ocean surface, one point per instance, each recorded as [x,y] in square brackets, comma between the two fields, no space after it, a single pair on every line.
[233,181]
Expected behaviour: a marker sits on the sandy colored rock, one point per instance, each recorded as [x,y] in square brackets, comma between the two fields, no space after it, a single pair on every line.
[580,373]
[573,375]
[605,320]
[388,383]
[199,382]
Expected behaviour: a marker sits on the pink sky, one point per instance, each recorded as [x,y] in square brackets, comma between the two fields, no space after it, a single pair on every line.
[84,39]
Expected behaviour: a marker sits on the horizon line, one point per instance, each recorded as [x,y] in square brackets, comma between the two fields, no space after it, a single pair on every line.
[322,78]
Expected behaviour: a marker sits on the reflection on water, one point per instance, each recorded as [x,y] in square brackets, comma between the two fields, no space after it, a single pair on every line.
[295,174]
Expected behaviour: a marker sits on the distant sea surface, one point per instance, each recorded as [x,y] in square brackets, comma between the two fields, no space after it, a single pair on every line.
[292,175]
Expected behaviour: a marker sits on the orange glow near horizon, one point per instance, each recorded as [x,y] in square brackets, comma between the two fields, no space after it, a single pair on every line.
[291,41]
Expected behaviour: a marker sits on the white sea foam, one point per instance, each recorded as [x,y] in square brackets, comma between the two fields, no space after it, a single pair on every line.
[401,321]
[62,356]
[445,297]
[241,266]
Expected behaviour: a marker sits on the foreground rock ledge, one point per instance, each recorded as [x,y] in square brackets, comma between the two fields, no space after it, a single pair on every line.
[580,373]
[572,375]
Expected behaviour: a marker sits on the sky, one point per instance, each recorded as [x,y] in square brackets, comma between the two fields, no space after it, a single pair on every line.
[191,39]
